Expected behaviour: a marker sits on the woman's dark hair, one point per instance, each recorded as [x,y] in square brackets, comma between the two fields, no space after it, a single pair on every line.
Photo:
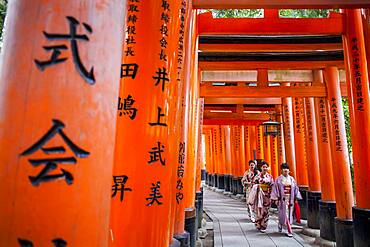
[252,161]
[284,166]
[264,163]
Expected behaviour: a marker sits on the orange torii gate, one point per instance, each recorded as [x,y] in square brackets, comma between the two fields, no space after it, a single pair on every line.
[151,163]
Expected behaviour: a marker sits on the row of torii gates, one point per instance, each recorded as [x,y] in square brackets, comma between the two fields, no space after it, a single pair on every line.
[76,170]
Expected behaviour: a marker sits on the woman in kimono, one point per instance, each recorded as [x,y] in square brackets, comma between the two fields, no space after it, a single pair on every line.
[285,191]
[248,182]
[264,182]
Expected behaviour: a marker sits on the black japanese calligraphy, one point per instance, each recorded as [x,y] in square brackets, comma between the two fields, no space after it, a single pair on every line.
[56,50]
[119,185]
[52,163]
[155,195]
[156,154]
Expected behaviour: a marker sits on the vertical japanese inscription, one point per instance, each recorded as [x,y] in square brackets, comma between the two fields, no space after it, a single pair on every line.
[357,74]
[336,131]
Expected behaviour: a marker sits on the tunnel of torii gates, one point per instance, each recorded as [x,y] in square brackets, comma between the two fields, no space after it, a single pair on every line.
[107,110]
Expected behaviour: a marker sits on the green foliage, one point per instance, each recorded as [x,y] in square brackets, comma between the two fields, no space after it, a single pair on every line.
[3,6]
[258,13]
[304,13]
[238,13]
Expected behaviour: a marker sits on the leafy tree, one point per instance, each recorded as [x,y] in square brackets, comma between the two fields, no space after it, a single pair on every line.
[3,5]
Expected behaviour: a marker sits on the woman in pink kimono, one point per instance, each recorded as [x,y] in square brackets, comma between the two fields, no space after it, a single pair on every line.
[285,191]
[262,191]
[248,182]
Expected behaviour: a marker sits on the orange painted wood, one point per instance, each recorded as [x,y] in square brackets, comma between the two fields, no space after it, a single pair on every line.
[289,139]
[261,92]
[134,155]
[238,101]
[228,150]
[222,150]
[280,137]
[260,145]
[299,142]
[277,65]
[359,85]
[247,144]
[323,139]
[341,172]
[253,141]
[234,157]
[277,4]
[267,149]
[234,116]
[242,163]
[77,108]
[312,147]
[268,47]
[275,160]
[262,78]
[269,26]
[193,77]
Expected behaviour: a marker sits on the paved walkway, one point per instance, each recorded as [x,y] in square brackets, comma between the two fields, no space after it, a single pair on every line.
[232,226]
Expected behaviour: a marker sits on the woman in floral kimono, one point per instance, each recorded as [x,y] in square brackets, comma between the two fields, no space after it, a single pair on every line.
[248,182]
[264,182]
[285,191]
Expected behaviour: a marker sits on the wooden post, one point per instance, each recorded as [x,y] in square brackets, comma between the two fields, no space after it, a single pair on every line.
[341,172]
[289,139]
[358,67]
[59,90]
[280,137]
[228,158]
[314,191]
[327,208]
[260,149]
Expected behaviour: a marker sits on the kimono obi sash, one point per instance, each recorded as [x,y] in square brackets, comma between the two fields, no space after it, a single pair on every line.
[287,189]
[265,187]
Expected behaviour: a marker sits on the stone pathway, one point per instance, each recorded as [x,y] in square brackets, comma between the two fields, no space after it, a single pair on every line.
[232,226]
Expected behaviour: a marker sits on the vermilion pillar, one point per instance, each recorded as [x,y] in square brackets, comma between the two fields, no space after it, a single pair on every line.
[228,177]
[221,147]
[234,158]
[57,89]
[327,205]
[280,137]
[299,138]
[241,167]
[247,143]
[360,107]
[253,142]
[260,144]
[147,153]
[289,138]
[300,153]
[267,149]
[314,193]
[274,166]
[341,172]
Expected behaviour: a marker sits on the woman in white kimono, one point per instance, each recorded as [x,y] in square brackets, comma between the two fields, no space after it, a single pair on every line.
[248,182]
[285,191]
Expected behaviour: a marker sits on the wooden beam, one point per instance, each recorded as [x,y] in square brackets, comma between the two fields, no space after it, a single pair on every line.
[208,91]
[246,101]
[245,116]
[207,25]
[278,4]
[268,47]
[231,122]
[276,65]
[240,76]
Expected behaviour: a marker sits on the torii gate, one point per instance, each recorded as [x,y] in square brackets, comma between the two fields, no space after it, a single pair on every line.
[102,111]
